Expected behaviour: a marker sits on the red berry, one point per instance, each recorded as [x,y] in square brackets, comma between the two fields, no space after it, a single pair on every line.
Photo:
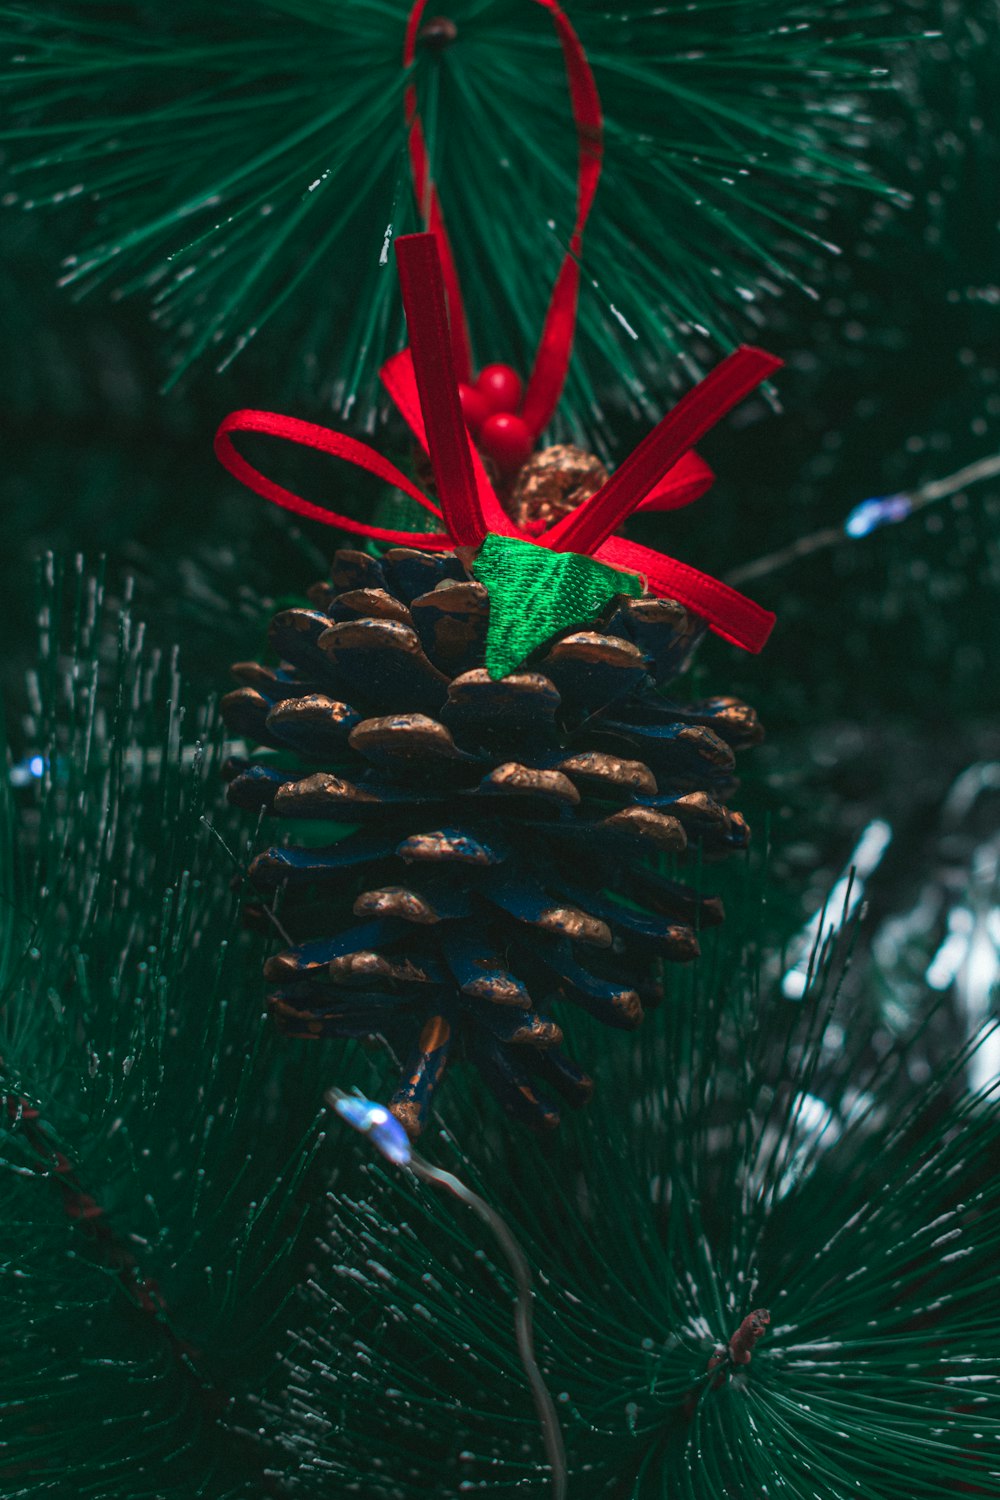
[475,407]
[501,387]
[507,439]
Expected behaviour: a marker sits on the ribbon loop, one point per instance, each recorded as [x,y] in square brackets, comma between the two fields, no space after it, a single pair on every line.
[338,445]
[687,481]
[555,345]
[430,204]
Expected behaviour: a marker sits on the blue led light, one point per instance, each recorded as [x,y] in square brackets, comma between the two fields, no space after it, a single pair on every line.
[871,514]
[27,771]
[374,1120]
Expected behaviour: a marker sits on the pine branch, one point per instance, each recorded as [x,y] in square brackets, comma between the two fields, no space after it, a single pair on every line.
[778,1167]
[155,1158]
[243,164]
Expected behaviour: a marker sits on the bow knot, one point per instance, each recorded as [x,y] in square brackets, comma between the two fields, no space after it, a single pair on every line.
[663,473]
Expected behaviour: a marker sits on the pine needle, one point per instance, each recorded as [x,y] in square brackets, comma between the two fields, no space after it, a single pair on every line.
[762,1163]
[242,164]
[153,1155]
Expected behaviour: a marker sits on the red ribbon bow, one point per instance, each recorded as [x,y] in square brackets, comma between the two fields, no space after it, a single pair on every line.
[663,473]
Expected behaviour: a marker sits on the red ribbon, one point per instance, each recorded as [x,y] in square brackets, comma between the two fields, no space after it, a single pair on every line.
[551,363]
[661,473]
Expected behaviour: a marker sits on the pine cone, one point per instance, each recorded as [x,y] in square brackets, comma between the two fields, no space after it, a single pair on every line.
[496,819]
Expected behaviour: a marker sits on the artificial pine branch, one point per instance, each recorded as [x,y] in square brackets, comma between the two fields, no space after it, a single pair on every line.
[155,1159]
[243,161]
[769,1275]
[760,1162]
[100,1404]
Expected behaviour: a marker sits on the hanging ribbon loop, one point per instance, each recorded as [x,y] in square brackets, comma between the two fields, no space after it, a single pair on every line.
[662,473]
[555,345]
[430,205]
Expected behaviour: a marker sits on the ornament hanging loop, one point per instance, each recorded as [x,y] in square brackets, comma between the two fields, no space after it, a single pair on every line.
[555,345]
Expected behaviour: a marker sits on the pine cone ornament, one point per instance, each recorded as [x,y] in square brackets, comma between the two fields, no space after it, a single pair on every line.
[482,706]
[513,836]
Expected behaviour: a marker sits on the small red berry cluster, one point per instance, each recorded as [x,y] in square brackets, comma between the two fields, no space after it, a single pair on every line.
[490,411]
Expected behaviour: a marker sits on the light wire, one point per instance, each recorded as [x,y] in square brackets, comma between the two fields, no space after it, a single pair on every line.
[387,1135]
[866,517]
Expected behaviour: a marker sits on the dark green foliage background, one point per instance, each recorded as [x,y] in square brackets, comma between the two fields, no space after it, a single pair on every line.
[131,1000]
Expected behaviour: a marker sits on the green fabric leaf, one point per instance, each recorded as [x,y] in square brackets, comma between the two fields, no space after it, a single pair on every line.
[535,594]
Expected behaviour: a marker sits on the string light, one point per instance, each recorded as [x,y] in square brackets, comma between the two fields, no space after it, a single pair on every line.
[374,1120]
[871,514]
[135,759]
[868,516]
[386,1134]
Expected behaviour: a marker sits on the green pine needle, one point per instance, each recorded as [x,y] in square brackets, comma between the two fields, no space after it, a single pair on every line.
[187,1323]
[747,1154]
[155,1141]
[244,161]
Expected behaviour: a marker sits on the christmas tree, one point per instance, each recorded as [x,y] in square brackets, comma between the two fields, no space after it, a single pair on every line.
[762,1255]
